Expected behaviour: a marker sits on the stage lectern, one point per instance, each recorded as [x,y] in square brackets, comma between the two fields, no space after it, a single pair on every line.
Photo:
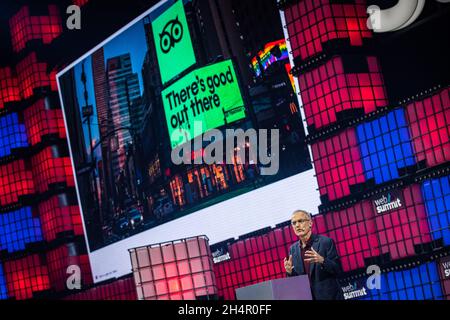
[292,288]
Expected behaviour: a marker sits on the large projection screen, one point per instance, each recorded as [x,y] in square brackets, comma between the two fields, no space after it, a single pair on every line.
[131,194]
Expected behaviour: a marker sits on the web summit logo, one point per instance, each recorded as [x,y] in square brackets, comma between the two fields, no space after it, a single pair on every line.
[358,290]
[172,33]
[388,202]
[352,291]
[220,255]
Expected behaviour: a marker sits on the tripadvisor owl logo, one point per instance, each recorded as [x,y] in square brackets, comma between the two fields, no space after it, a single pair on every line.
[172,33]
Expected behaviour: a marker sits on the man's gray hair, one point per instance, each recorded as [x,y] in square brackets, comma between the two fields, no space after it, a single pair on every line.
[303,211]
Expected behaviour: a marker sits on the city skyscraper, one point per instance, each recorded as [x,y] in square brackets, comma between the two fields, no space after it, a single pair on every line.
[103,115]
[101,92]
[104,122]
[123,89]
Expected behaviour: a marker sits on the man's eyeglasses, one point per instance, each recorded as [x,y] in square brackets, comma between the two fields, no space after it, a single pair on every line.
[301,221]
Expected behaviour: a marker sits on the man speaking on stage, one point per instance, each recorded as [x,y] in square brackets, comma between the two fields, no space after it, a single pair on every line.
[316,256]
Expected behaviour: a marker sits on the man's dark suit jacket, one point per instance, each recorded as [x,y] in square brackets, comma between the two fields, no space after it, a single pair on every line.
[323,277]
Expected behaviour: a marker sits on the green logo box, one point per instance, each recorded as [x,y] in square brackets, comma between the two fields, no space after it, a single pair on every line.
[210,95]
[173,42]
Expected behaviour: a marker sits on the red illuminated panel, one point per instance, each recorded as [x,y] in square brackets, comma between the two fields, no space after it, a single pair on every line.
[252,259]
[25,27]
[400,229]
[429,122]
[58,261]
[9,87]
[181,270]
[53,83]
[319,225]
[15,181]
[80,2]
[234,273]
[264,259]
[25,276]
[338,165]
[224,280]
[311,23]
[40,120]
[32,74]
[123,289]
[58,215]
[354,233]
[237,273]
[328,90]
[49,167]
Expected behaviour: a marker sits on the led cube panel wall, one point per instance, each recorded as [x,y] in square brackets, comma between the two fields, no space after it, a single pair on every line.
[33,74]
[12,134]
[121,289]
[386,146]
[429,121]
[25,276]
[417,283]
[9,87]
[58,214]
[177,270]
[15,180]
[19,228]
[311,23]
[336,87]
[354,233]
[60,262]
[50,167]
[338,164]
[41,119]
[436,193]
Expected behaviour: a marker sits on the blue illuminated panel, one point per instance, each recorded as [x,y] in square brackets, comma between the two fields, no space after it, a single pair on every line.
[19,228]
[436,194]
[3,292]
[386,146]
[419,283]
[12,134]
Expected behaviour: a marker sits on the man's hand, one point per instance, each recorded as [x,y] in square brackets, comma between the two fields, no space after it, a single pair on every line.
[288,264]
[313,257]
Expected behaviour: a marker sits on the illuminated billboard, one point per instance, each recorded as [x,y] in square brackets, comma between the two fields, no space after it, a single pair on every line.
[173,42]
[131,193]
[209,95]
[273,52]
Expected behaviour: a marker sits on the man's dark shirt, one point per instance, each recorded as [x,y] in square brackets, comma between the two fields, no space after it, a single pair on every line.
[306,265]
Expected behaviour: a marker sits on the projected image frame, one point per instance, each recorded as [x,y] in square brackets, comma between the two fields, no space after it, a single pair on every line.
[130,192]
